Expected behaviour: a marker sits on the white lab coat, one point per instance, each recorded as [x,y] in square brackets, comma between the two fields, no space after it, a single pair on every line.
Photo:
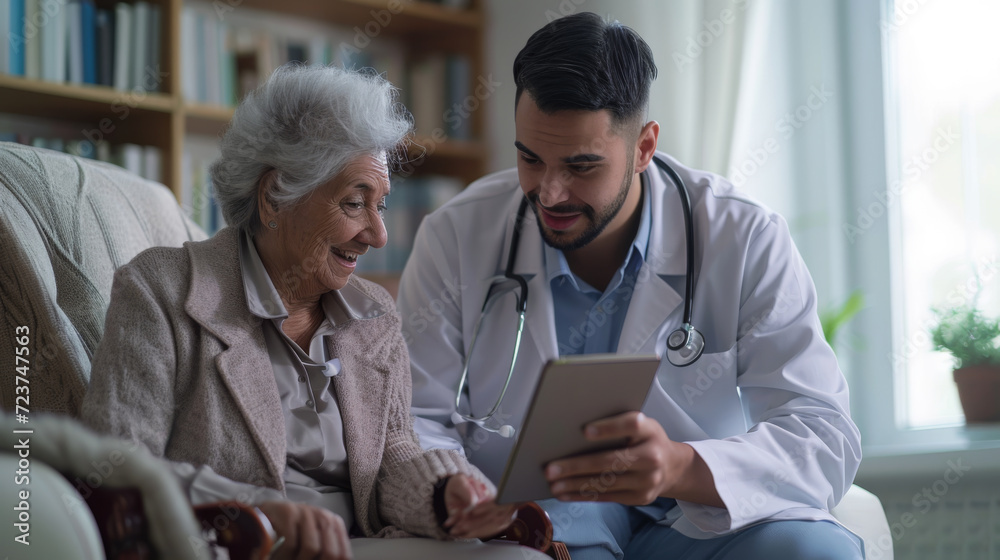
[766,406]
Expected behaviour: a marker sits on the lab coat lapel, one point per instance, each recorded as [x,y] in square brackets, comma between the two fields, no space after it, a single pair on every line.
[656,306]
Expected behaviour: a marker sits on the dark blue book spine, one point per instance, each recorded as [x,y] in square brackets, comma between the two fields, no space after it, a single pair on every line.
[16,44]
[88,19]
[105,47]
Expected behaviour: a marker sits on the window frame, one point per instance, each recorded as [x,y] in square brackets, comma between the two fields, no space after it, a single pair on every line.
[875,258]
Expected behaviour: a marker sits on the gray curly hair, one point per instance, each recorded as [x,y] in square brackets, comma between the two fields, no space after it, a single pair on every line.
[306,123]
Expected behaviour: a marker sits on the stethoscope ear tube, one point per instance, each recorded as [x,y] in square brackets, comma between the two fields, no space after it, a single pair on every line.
[684,345]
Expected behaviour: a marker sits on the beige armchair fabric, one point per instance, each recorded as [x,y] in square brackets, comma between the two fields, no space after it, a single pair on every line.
[66,224]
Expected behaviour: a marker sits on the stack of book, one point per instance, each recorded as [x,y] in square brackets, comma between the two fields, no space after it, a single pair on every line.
[145,161]
[74,41]
[222,61]
[197,196]
[439,96]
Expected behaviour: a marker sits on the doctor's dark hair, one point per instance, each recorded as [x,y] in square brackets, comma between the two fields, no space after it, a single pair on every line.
[581,62]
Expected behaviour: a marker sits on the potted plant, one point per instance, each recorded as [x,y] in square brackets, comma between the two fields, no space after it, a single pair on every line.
[974,342]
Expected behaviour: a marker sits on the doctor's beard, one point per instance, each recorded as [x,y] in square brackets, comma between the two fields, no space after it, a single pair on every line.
[597,221]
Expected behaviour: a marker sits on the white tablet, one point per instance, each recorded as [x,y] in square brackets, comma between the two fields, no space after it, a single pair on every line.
[572,392]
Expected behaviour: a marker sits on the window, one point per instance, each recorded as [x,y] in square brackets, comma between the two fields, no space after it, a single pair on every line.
[943,70]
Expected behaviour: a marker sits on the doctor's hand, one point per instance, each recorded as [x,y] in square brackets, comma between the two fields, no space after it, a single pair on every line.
[472,511]
[311,533]
[650,465]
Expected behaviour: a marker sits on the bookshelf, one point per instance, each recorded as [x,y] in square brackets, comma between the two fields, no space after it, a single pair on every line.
[163,119]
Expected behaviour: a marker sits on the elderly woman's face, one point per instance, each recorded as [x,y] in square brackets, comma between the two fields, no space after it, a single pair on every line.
[321,238]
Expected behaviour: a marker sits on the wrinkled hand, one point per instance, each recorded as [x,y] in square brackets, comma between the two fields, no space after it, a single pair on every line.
[648,467]
[472,511]
[311,533]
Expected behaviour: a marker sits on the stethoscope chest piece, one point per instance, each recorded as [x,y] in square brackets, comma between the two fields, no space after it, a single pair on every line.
[685,345]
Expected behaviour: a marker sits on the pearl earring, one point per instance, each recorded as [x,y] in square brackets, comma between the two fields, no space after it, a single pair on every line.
[272,224]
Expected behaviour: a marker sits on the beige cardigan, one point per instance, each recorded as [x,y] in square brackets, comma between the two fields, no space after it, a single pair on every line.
[183,368]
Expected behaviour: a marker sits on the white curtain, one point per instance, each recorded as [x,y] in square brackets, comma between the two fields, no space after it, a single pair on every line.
[754,90]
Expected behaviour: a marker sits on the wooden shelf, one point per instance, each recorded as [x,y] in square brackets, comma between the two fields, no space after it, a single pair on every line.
[208,120]
[76,101]
[465,159]
[412,17]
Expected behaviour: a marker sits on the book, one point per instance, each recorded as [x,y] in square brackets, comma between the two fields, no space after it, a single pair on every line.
[15,38]
[152,163]
[123,46]
[53,44]
[223,49]
[16,43]
[7,29]
[151,80]
[103,152]
[74,41]
[105,36]
[213,86]
[427,94]
[32,40]
[130,156]
[140,45]
[458,115]
[189,58]
[88,18]
[296,52]
[318,51]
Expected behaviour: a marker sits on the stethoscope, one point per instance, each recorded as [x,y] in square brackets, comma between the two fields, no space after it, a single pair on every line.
[684,345]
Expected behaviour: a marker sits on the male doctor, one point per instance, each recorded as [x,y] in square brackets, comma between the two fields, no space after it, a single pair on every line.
[739,455]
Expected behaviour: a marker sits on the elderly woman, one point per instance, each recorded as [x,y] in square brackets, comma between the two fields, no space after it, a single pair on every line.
[259,365]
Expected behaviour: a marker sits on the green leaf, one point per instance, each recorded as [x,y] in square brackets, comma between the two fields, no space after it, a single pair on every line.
[833,320]
[971,338]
